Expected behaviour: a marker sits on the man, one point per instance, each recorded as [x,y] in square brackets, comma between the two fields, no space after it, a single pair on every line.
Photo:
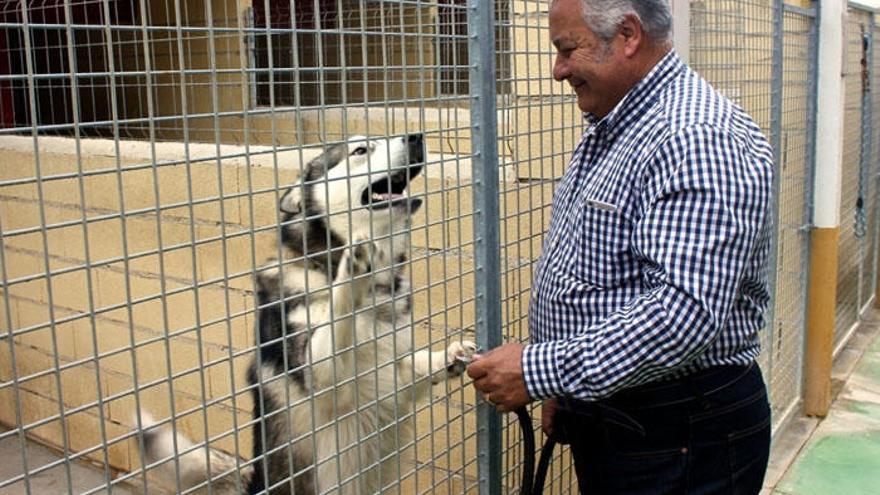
[648,298]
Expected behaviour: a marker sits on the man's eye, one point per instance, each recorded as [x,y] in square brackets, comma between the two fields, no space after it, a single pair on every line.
[360,150]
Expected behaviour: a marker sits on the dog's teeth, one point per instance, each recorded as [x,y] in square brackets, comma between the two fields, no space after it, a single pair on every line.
[386,196]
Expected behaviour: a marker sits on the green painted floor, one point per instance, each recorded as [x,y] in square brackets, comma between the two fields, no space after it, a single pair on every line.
[843,454]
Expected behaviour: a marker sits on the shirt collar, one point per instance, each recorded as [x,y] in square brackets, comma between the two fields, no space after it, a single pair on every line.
[636,100]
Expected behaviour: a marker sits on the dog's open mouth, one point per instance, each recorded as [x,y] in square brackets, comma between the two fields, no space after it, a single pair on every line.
[391,190]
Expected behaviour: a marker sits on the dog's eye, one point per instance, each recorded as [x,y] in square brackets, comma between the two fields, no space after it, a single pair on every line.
[360,150]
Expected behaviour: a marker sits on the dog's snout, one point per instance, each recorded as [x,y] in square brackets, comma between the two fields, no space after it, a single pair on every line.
[415,145]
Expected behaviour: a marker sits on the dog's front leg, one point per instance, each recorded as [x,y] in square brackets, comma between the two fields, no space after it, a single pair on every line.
[350,288]
[441,365]
[334,340]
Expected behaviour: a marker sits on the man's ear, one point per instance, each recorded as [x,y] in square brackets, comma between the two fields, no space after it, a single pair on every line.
[291,202]
[632,34]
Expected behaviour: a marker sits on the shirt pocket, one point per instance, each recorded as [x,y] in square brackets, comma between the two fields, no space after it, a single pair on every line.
[603,256]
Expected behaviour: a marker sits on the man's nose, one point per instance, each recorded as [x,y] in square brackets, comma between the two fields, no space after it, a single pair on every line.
[560,69]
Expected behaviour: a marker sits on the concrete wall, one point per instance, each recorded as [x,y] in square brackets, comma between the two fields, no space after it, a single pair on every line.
[192,82]
[537,114]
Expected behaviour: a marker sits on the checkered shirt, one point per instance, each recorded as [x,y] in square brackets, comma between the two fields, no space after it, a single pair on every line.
[655,261]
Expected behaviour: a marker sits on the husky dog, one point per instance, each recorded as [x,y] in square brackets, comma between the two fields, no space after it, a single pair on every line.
[335,377]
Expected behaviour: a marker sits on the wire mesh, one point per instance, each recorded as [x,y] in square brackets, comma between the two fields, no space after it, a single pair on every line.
[539,127]
[869,187]
[875,153]
[795,176]
[732,48]
[852,247]
[149,146]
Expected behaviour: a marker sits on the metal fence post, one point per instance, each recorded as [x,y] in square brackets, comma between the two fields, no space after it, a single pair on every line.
[681,28]
[484,135]
[776,143]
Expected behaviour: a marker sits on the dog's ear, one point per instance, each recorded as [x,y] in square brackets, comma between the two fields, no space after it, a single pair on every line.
[291,202]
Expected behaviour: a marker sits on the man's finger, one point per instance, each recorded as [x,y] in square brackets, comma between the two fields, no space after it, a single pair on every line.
[548,415]
[476,370]
[481,384]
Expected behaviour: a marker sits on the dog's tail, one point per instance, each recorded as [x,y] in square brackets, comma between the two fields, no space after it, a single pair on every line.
[193,463]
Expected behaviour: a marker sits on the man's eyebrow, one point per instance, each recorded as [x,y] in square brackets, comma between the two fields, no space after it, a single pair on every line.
[562,39]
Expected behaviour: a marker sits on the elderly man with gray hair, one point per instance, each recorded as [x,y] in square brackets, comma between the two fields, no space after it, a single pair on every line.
[649,296]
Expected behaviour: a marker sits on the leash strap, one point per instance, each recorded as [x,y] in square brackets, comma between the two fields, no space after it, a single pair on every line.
[533,481]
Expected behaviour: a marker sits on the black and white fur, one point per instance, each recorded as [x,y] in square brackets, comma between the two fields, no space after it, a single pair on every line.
[336,375]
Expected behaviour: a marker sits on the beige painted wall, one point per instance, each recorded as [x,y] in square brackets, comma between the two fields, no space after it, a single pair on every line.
[537,114]
[193,82]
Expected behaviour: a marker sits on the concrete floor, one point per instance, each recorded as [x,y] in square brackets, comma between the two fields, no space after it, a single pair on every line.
[838,454]
[53,481]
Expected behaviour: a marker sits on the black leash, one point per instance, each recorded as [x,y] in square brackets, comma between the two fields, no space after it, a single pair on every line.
[533,481]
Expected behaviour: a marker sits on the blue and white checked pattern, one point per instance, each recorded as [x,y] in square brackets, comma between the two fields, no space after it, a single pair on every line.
[655,260]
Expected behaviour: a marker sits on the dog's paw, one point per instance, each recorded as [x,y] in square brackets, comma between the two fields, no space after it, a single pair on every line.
[459,355]
[361,257]
[269,279]
[355,261]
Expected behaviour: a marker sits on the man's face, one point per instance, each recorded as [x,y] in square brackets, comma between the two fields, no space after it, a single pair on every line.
[591,65]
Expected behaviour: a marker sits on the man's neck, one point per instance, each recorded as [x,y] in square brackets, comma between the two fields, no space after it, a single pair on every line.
[648,60]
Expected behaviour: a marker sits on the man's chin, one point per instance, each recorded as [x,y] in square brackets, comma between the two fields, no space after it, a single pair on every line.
[592,107]
[585,105]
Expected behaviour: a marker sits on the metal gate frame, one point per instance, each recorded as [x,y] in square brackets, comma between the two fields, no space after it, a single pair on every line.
[484,125]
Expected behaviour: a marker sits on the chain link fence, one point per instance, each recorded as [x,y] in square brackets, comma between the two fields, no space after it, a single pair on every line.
[149,144]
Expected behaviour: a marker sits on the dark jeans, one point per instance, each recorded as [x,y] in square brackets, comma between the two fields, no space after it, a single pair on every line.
[705,434]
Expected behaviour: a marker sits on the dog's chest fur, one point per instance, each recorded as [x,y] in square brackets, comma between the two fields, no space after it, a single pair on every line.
[386,310]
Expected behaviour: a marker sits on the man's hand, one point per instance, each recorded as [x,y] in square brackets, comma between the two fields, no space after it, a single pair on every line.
[498,377]
[548,413]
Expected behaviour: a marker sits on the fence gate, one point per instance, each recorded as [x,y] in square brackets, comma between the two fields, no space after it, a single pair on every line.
[539,126]
[762,56]
[794,135]
[858,229]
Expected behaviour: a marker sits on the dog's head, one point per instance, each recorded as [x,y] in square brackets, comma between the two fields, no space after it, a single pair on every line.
[354,190]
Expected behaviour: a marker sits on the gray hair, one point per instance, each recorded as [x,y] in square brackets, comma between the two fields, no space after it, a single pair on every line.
[603,17]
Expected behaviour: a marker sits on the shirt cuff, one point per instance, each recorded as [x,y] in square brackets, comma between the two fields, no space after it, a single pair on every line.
[541,366]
